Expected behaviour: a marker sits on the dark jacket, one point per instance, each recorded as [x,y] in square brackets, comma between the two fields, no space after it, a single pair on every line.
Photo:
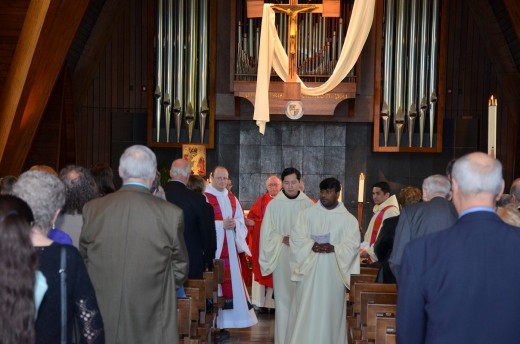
[460,285]
[199,226]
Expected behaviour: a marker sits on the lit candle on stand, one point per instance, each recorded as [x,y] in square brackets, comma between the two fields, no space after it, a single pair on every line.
[361,194]
[492,127]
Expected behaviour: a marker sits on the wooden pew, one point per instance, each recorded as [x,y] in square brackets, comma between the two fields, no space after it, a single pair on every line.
[373,310]
[374,287]
[183,316]
[205,319]
[390,336]
[354,321]
[211,289]
[200,286]
[355,279]
[370,297]
[211,283]
[196,304]
[366,270]
[384,324]
[218,301]
[353,330]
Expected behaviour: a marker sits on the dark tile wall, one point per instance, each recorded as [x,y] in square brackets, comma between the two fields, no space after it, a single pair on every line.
[319,150]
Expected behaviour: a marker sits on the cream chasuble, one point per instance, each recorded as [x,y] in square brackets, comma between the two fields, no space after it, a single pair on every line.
[279,219]
[273,55]
[318,309]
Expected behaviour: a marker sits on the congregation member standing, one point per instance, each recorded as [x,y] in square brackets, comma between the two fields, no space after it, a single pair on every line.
[134,250]
[460,285]
[68,283]
[434,214]
[80,188]
[278,222]
[515,193]
[262,288]
[198,234]
[385,206]
[324,253]
[385,239]
[231,240]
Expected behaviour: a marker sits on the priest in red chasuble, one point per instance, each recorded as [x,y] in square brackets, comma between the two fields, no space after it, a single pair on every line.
[262,287]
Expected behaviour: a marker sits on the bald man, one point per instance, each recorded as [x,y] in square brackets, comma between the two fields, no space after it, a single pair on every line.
[198,230]
[262,287]
[460,285]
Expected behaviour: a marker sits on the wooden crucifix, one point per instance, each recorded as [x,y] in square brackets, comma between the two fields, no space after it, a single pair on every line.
[331,8]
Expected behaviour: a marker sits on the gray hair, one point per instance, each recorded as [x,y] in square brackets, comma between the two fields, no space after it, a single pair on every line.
[43,192]
[182,170]
[138,162]
[437,184]
[477,173]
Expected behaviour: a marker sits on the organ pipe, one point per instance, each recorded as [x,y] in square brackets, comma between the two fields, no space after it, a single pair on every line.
[181,67]
[433,66]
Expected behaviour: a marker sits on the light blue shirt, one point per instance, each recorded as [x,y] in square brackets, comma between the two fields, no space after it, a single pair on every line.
[136,183]
[475,209]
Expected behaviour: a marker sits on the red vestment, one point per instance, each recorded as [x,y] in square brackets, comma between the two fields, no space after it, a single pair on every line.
[256,213]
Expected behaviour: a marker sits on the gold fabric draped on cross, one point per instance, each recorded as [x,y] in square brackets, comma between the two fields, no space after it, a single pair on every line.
[273,55]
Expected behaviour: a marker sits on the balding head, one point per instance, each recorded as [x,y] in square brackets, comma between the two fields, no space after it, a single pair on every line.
[515,191]
[180,170]
[273,185]
[476,181]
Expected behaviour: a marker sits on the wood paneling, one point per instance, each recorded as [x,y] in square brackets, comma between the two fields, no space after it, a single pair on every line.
[54,142]
[112,79]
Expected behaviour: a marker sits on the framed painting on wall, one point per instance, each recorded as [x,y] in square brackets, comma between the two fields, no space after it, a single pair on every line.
[196,155]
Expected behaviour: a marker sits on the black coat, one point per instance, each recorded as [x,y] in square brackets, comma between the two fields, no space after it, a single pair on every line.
[383,248]
[199,226]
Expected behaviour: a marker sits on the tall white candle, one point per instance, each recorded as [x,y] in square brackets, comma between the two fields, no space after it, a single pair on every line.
[361,191]
[492,127]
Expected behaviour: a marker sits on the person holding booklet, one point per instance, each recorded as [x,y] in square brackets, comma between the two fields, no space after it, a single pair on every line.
[324,253]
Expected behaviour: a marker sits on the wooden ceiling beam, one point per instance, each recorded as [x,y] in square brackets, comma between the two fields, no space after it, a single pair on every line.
[95,48]
[47,33]
[513,9]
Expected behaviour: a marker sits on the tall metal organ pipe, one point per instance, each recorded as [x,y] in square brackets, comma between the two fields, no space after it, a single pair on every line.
[433,65]
[203,68]
[386,112]
[412,77]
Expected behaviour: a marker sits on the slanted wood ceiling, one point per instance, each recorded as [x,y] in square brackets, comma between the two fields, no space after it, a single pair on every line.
[12,16]
[32,66]
[62,19]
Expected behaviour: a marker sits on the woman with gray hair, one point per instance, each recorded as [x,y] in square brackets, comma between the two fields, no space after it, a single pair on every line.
[45,194]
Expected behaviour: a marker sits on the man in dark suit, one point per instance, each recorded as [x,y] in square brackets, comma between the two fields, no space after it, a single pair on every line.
[198,227]
[434,214]
[134,251]
[461,285]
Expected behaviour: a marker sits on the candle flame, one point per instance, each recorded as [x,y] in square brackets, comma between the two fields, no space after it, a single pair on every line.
[492,101]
